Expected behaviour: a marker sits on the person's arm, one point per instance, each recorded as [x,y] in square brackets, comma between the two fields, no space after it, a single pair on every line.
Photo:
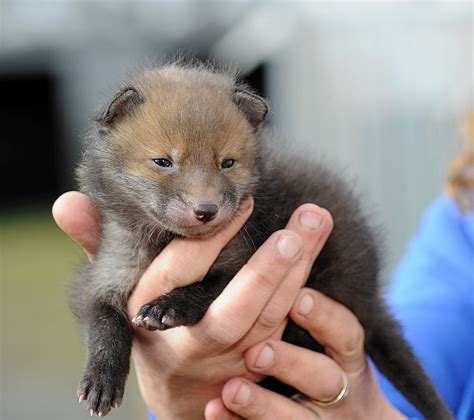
[432,296]
[182,369]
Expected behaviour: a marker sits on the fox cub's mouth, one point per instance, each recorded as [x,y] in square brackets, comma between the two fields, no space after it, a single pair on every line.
[201,230]
[191,228]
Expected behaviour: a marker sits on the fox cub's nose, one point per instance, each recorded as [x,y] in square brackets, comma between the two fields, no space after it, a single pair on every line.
[205,212]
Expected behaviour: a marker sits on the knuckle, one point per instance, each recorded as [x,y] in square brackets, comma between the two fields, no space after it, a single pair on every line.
[165,275]
[331,388]
[307,258]
[286,365]
[354,342]
[287,371]
[261,277]
[172,273]
[271,317]
[167,278]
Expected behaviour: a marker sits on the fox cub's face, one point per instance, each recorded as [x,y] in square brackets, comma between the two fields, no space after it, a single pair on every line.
[182,145]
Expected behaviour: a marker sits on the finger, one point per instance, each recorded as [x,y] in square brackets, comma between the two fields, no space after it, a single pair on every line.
[184,261]
[77,216]
[251,401]
[232,314]
[215,410]
[311,373]
[313,224]
[332,325]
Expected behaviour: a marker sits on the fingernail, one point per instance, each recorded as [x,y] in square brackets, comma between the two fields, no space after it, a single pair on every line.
[306,305]
[310,220]
[289,246]
[243,394]
[265,358]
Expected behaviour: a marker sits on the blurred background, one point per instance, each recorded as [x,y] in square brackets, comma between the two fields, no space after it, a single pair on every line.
[378,89]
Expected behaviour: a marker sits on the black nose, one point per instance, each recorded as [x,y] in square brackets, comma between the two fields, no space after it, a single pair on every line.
[205,212]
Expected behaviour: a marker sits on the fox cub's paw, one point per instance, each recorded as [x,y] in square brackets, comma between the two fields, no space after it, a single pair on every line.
[101,390]
[179,307]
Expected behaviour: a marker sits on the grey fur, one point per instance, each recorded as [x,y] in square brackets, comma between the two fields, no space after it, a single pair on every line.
[137,223]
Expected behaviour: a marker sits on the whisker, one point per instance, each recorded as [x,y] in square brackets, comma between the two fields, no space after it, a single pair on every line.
[250,238]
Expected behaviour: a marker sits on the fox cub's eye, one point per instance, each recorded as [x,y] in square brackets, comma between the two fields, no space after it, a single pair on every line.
[228,163]
[165,163]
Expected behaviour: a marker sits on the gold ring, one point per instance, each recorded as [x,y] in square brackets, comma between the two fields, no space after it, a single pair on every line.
[342,394]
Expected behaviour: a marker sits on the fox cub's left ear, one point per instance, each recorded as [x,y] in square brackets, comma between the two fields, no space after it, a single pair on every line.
[253,106]
[122,105]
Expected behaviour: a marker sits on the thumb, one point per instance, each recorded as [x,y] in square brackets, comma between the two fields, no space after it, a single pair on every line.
[77,216]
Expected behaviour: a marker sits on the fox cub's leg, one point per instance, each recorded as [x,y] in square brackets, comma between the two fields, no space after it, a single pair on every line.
[109,339]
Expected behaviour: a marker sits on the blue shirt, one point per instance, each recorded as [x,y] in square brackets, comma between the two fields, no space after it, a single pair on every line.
[432,295]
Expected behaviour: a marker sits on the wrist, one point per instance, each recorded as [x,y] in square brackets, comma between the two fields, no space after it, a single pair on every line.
[182,405]
[173,398]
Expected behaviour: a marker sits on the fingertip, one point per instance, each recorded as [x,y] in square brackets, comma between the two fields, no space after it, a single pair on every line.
[236,392]
[71,201]
[76,215]
[304,303]
[261,356]
[247,204]
[216,410]
[327,217]
[60,207]
[213,409]
[244,211]
[326,222]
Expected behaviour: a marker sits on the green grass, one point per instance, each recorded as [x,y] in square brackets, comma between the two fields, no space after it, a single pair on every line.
[37,261]
[41,344]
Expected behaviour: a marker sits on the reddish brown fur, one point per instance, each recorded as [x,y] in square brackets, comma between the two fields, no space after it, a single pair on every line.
[189,119]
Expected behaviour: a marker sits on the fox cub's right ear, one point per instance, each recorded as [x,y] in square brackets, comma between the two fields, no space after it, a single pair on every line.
[253,106]
[123,104]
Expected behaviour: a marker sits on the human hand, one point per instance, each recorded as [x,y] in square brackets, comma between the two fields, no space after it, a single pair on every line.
[179,370]
[319,377]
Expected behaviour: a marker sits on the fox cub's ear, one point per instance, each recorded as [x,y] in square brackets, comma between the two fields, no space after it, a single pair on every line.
[123,104]
[253,106]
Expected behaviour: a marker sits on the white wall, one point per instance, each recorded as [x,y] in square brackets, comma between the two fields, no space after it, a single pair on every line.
[380,89]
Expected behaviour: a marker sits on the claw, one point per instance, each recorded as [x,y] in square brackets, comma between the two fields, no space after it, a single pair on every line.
[168,319]
[91,412]
[150,324]
[81,398]
[138,320]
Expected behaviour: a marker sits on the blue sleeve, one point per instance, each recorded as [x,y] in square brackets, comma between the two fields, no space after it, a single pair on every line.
[432,295]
